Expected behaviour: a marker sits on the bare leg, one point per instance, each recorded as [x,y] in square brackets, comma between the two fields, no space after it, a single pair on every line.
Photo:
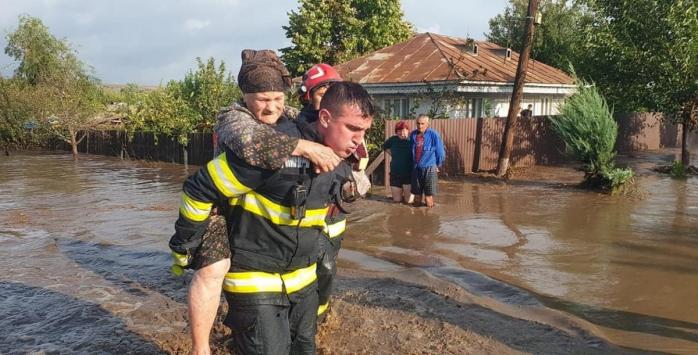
[204,296]
[397,193]
[429,200]
[407,194]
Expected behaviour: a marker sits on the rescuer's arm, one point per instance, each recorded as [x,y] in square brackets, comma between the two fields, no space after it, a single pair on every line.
[223,178]
[261,145]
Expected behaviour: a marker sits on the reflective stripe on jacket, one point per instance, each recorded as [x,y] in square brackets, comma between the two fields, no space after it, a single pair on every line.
[258,282]
[264,235]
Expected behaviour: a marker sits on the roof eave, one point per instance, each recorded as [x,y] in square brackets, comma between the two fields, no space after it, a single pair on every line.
[468,86]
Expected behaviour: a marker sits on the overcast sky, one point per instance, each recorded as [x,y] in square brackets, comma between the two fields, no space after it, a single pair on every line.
[150,42]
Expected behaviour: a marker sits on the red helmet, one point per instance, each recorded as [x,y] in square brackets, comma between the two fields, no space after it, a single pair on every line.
[317,75]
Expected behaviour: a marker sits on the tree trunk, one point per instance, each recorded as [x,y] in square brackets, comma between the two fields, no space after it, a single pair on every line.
[508,138]
[73,142]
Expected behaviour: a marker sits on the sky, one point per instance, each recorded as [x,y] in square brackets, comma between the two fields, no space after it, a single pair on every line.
[149,42]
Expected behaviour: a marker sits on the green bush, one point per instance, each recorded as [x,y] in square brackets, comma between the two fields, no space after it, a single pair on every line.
[616,178]
[587,127]
[375,136]
[678,171]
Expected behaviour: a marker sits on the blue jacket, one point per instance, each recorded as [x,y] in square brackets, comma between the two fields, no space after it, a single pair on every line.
[433,153]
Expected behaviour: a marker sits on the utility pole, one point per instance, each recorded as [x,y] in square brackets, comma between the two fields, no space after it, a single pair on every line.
[508,139]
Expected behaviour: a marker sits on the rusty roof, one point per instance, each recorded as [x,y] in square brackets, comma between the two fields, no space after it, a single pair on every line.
[430,57]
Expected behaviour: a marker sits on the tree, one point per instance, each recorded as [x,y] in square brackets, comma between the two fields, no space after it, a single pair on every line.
[64,94]
[163,111]
[39,53]
[16,124]
[643,56]
[335,31]
[68,109]
[587,127]
[557,37]
[207,90]
[381,24]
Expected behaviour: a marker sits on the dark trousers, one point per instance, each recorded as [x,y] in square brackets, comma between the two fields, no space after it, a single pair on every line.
[327,267]
[424,181]
[268,328]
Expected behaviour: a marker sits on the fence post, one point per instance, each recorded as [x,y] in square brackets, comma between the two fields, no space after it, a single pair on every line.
[185,156]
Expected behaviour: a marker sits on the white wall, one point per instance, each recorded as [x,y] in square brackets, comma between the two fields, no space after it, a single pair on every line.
[542,104]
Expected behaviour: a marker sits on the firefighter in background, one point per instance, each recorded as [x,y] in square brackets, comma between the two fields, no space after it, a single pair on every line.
[315,83]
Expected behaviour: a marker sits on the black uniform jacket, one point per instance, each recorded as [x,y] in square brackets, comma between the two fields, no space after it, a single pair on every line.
[274,218]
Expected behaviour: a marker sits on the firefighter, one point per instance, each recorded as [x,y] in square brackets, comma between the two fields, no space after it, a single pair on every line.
[258,144]
[274,225]
[230,129]
[316,82]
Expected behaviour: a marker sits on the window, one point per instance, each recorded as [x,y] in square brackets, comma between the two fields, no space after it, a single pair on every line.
[397,107]
[469,108]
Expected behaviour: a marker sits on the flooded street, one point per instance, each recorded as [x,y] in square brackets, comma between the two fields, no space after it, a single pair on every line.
[626,265]
[87,269]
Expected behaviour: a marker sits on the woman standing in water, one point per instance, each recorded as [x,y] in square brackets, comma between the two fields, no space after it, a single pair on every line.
[399,148]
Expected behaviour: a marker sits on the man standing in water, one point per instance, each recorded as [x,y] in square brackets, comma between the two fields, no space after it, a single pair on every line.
[428,153]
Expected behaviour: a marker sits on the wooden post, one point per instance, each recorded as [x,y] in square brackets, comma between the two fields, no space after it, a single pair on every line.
[508,138]
[185,156]
[685,129]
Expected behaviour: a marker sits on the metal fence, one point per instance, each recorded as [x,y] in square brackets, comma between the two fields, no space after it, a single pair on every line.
[146,146]
[472,144]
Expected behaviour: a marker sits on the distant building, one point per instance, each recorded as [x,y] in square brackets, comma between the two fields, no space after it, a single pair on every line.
[454,77]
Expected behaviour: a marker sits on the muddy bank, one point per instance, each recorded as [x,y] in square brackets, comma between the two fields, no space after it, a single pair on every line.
[412,313]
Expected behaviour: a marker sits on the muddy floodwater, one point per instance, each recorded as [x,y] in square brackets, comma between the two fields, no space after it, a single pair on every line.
[85,258]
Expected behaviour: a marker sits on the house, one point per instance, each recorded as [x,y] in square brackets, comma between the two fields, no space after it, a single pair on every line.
[454,77]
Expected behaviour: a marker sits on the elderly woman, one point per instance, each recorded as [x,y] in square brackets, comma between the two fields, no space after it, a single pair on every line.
[400,149]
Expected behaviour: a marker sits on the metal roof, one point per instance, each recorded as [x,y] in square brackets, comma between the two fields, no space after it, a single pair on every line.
[429,57]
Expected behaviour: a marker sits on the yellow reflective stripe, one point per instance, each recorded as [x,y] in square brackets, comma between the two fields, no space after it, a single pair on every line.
[322,308]
[363,163]
[194,210]
[251,282]
[300,278]
[278,214]
[336,229]
[180,259]
[256,281]
[223,177]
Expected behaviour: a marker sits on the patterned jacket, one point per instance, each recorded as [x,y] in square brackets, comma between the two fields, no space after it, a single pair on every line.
[254,142]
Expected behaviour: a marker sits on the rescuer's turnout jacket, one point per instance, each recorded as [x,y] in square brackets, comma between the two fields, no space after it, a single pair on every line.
[275,221]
